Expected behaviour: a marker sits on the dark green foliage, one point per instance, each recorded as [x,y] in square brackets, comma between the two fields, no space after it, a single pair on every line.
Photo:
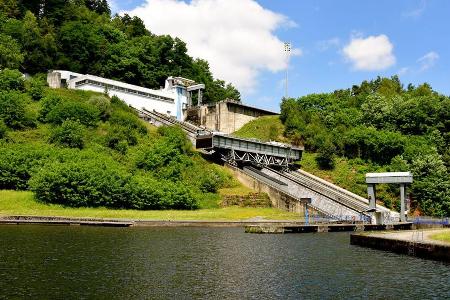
[128,121]
[119,138]
[84,113]
[325,157]
[381,123]
[93,182]
[18,162]
[81,36]
[103,104]
[35,88]
[377,145]
[69,134]
[169,156]
[3,129]
[14,112]
[99,6]
[149,193]
[48,103]
[102,182]
[170,174]
[10,53]
[11,80]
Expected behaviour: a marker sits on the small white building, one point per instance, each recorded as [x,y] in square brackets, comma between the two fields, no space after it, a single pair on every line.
[173,99]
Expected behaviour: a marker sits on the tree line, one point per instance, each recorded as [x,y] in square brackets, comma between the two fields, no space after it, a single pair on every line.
[381,122]
[82,36]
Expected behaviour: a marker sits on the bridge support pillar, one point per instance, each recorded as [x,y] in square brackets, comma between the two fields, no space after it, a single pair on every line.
[402,202]
[371,190]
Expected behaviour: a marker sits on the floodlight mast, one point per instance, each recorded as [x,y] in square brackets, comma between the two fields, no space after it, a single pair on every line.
[287,51]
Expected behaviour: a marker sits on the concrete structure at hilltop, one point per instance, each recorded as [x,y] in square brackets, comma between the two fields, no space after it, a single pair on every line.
[173,99]
[225,116]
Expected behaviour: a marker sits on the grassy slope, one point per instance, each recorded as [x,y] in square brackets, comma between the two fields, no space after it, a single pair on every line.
[442,236]
[348,173]
[264,128]
[23,203]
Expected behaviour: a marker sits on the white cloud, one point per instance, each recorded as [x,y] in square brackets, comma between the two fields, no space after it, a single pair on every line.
[235,36]
[428,60]
[403,71]
[416,12]
[327,44]
[371,53]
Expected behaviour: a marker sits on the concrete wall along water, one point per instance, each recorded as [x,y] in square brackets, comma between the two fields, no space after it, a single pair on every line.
[278,198]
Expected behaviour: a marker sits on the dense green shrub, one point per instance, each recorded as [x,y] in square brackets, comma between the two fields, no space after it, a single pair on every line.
[18,162]
[148,193]
[377,145]
[35,88]
[11,80]
[69,134]
[103,104]
[325,157]
[119,104]
[119,133]
[3,129]
[101,182]
[93,182]
[128,120]
[84,113]
[207,178]
[168,156]
[14,112]
[431,186]
[48,103]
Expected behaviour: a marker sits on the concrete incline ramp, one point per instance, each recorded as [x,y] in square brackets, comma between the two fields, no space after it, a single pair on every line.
[327,196]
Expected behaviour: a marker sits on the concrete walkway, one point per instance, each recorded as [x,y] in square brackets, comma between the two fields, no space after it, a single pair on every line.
[422,236]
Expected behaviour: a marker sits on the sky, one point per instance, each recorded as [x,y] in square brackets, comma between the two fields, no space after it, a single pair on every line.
[334,44]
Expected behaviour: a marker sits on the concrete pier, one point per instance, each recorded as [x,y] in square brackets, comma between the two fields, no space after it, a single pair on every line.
[412,242]
[274,228]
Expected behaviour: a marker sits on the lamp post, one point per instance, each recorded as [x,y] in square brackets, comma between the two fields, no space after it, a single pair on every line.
[287,51]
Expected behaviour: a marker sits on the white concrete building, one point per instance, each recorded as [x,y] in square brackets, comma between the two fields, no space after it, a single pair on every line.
[172,100]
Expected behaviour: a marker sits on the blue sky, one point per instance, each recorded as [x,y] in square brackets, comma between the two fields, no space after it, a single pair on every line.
[338,43]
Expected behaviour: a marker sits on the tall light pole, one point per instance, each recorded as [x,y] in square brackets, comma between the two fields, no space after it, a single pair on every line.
[287,51]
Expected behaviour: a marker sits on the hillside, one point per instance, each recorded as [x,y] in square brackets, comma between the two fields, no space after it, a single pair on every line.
[74,148]
[377,126]
[266,128]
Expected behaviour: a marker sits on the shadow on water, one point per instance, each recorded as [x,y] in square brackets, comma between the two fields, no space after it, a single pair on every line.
[224,263]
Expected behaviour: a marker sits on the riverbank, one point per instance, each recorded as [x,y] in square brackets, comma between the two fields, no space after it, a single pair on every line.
[19,203]
[428,244]
[49,220]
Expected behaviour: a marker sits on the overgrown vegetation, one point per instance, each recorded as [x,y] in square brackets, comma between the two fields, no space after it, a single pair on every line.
[382,125]
[82,36]
[82,149]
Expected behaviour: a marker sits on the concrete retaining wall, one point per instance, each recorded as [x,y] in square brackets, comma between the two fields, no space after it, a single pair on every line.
[278,198]
[418,249]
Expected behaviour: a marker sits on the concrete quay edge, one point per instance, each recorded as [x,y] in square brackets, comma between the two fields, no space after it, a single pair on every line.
[414,246]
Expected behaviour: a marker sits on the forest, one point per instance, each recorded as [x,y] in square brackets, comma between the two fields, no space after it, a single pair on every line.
[82,36]
[383,124]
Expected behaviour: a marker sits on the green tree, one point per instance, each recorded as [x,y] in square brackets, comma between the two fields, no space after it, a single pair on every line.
[69,134]
[10,53]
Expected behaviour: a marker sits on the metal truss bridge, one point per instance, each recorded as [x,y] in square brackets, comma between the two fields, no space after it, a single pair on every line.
[233,150]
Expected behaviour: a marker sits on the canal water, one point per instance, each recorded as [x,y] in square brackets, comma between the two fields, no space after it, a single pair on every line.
[64,262]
